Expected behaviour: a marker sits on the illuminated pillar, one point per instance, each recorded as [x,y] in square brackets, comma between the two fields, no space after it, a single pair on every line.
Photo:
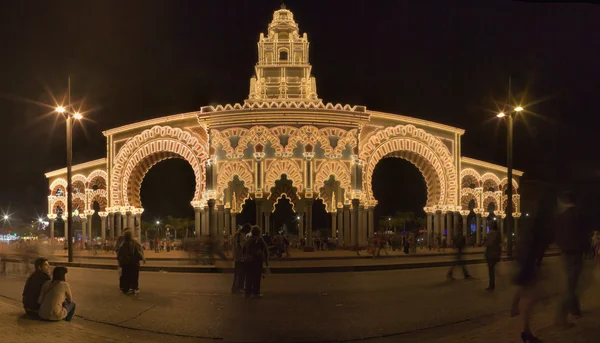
[51,219]
[362,223]
[103,216]
[347,225]
[83,218]
[370,223]
[111,224]
[429,234]
[449,216]
[118,216]
[478,230]
[197,219]
[516,220]
[465,217]
[268,222]
[130,225]
[205,228]
[66,226]
[259,214]
[354,223]
[455,225]
[89,214]
[309,244]
[436,226]
[233,222]
[229,230]
[220,222]
[340,226]
[138,220]
[212,222]
[301,225]
[333,224]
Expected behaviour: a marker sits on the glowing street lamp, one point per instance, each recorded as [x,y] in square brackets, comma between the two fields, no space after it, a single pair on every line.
[509,173]
[69,114]
[6,217]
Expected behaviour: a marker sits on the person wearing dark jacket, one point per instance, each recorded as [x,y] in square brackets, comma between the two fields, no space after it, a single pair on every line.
[255,254]
[33,286]
[493,250]
[571,238]
[239,273]
[129,256]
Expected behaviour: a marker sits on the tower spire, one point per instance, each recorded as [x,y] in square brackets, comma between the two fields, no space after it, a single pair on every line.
[283,72]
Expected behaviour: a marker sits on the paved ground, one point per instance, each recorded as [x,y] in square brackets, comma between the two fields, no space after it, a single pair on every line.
[380,307]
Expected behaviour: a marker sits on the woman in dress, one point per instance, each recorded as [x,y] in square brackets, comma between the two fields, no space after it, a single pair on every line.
[56,300]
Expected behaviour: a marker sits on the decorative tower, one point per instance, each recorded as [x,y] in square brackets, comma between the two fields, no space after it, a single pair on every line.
[282,70]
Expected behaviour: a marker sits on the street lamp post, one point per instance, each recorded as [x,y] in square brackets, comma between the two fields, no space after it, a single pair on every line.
[509,175]
[69,116]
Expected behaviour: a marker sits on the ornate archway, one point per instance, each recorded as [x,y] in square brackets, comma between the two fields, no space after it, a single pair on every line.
[288,168]
[145,150]
[423,150]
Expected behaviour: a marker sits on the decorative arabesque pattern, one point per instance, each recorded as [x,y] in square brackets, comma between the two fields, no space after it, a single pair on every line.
[287,168]
[231,169]
[336,169]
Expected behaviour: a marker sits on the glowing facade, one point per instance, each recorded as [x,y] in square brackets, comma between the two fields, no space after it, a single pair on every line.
[284,141]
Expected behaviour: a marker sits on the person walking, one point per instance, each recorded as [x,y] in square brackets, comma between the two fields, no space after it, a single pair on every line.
[571,238]
[239,273]
[255,254]
[460,245]
[129,256]
[56,300]
[493,251]
[33,287]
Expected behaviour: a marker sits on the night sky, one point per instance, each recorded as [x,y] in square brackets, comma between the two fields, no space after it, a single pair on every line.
[445,61]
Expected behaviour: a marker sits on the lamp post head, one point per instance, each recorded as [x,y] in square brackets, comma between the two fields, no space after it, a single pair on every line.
[5,217]
[77,115]
[501,115]
[60,109]
[518,109]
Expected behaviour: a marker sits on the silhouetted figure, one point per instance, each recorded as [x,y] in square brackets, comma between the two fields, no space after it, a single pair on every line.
[571,238]
[255,254]
[239,274]
[493,250]
[460,244]
[129,256]
[535,234]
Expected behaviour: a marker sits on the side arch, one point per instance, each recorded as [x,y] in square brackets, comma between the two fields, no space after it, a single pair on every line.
[144,150]
[489,181]
[423,150]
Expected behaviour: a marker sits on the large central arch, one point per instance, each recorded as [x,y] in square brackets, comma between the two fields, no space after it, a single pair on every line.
[423,150]
[145,150]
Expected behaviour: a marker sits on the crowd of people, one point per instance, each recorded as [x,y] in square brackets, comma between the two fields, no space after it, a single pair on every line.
[48,295]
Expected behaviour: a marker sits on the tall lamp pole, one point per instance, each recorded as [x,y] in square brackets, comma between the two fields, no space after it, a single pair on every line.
[509,175]
[69,115]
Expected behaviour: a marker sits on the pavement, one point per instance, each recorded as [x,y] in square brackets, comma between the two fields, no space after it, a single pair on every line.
[417,305]
[300,262]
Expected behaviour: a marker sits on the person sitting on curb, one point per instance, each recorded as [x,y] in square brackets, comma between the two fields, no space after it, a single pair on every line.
[56,300]
[33,286]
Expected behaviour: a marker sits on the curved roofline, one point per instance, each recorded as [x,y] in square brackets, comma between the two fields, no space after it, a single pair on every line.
[63,171]
[417,121]
[150,122]
[489,165]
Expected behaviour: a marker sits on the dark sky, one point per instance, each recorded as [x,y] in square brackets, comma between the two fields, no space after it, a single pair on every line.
[445,61]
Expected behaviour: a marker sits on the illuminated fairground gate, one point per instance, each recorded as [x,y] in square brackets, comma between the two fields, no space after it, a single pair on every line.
[285,141]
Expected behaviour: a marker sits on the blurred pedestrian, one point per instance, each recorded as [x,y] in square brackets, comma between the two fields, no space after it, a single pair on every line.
[33,286]
[571,238]
[239,273]
[129,256]
[255,254]
[493,251]
[535,235]
[460,245]
[56,300]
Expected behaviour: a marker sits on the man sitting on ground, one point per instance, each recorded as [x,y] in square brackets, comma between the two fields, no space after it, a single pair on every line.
[33,286]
